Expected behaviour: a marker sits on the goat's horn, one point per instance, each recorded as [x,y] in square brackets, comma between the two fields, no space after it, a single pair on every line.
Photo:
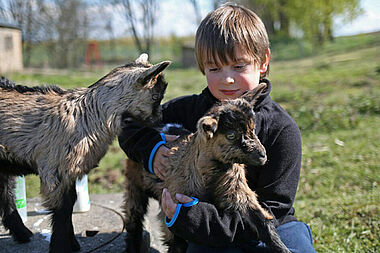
[143,58]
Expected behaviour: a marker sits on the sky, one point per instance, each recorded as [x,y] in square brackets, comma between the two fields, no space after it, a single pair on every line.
[174,17]
[177,17]
[369,21]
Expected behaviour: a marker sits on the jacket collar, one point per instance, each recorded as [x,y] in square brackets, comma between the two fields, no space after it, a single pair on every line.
[264,97]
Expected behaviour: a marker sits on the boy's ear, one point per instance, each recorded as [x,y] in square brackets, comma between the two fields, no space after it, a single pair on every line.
[207,127]
[265,64]
[152,72]
[252,95]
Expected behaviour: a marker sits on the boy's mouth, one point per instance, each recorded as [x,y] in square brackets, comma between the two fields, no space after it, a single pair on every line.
[229,92]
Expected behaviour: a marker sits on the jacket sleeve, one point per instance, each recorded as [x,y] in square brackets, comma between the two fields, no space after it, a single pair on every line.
[278,181]
[203,224]
[137,140]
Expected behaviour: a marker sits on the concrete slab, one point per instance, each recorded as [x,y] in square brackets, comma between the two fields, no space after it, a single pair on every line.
[105,216]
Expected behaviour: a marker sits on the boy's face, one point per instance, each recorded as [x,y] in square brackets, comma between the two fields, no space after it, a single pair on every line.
[230,81]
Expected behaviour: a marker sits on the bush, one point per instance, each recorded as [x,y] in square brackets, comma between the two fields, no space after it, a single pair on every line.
[368,103]
[324,118]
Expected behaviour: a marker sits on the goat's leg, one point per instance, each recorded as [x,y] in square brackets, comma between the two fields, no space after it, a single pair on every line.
[10,216]
[175,244]
[136,203]
[75,246]
[268,234]
[135,207]
[243,199]
[63,237]
[266,229]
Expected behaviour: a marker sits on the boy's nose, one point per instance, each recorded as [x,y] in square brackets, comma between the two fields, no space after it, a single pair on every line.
[229,80]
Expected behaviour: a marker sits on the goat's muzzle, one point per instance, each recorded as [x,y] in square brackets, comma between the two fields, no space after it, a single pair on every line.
[262,157]
[256,152]
[257,157]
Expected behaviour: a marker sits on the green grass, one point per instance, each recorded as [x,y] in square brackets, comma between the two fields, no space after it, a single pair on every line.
[335,99]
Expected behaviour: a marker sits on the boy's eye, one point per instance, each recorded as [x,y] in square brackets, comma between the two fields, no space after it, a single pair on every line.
[240,66]
[213,69]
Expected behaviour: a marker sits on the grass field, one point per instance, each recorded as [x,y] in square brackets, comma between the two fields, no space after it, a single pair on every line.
[335,99]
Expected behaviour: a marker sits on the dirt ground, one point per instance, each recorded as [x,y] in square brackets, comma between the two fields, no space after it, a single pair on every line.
[104,219]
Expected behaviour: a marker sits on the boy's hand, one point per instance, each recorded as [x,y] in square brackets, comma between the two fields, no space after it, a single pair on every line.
[160,161]
[168,205]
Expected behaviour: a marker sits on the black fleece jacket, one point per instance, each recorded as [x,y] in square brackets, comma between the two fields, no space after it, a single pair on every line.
[275,183]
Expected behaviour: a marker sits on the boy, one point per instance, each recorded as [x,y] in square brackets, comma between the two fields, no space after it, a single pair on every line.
[232,51]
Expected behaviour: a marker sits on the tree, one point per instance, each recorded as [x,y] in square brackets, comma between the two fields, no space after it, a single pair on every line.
[271,12]
[217,3]
[3,13]
[61,25]
[313,17]
[198,16]
[24,14]
[70,28]
[141,17]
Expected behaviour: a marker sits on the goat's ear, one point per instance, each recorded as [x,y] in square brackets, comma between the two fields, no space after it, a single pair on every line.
[152,72]
[252,95]
[207,127]
[143,58]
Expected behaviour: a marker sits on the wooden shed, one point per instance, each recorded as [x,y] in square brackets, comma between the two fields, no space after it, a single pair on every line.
[188,56]
[10,48]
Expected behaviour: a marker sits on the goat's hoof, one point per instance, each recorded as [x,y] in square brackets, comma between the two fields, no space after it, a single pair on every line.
[131,247]
[22,235]
[60,249]
[17,229]
[61,245]
[145,246]
[75,246]
[141,245]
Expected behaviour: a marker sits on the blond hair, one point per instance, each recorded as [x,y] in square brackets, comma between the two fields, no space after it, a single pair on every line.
[229,27]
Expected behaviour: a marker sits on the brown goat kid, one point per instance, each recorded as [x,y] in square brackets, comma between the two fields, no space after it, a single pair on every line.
[62,134]
[206,165]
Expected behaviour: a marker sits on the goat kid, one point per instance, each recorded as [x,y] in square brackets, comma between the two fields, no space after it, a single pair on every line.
[207,165]
[62,134]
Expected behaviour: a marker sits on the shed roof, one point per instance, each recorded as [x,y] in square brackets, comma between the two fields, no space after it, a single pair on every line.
[8,25]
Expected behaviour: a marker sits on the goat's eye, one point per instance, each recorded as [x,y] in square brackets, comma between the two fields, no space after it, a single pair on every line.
[231,135]
[155,97]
